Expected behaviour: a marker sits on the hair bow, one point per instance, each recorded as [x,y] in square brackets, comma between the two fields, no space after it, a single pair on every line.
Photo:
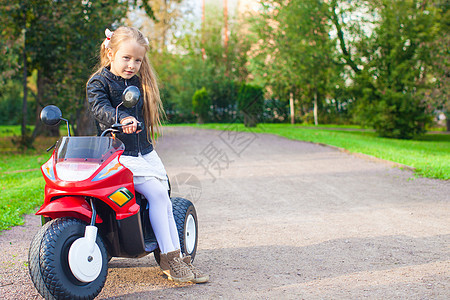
[108,34]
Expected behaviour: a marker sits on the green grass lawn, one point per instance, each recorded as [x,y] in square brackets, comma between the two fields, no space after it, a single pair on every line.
[21,179]
[428,155]
[23,185]
[11,130]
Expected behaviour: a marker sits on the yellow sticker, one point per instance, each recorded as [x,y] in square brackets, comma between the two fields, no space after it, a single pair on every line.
[121,196]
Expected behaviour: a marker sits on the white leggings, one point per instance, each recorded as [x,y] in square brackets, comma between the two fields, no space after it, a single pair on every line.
[160,213]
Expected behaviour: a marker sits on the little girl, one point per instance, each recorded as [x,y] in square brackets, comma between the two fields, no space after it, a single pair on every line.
[123,62]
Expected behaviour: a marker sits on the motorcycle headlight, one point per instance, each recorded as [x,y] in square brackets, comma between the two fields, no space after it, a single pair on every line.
[47,169]
[75,171]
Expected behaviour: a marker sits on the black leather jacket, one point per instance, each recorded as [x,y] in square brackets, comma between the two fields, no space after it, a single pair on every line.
[104,93]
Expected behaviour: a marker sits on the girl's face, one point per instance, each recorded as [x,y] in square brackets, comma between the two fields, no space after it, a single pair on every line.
[127,60]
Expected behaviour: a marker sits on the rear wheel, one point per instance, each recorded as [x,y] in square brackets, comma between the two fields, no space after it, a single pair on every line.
[49,261]
[187,226]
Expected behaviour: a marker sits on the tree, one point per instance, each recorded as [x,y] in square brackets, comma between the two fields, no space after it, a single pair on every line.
[15,17]
[438,94]
[250,103]
[59,41]
[295,52]
[201,104]
[390,64]
[82,33]
[184,70]
[266,65]
[162,21]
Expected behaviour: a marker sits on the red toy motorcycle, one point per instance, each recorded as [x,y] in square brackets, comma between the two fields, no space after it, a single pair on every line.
[91,213]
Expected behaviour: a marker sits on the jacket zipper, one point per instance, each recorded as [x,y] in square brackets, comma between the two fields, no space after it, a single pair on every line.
[138,144]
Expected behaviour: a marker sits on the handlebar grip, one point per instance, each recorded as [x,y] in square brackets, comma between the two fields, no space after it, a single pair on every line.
[119,127]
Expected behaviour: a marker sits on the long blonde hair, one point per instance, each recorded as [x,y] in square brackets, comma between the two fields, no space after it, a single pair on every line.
[153,107]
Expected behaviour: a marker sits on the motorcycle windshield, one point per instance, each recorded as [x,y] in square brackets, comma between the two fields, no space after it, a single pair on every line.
[77,158]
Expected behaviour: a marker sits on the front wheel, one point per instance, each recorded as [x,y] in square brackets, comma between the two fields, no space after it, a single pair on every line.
[186,220]
[48,261]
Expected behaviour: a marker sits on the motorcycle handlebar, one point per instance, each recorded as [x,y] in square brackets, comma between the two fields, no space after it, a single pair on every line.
[115,128]
[139,126]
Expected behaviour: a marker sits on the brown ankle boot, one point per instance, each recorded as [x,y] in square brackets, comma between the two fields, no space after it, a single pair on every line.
[199,277]
[175,269]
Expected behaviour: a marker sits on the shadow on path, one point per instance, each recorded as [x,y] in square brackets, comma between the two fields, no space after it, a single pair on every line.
[376,261]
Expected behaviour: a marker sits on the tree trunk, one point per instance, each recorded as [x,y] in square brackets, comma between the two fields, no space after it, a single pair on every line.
[342,44]
[38,124]
[203,31]
[316,118]
[225,38]
[250,120]
[447,119]
[291,106]
[25,89]
[164,32]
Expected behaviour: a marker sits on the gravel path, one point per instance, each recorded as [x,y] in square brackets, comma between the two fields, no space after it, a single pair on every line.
[283,219]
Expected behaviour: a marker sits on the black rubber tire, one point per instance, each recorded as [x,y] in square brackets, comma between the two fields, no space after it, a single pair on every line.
[182,208]
[48,261]
[34,266]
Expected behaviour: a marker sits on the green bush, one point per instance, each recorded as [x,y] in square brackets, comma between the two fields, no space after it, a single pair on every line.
[201,105]
[251,103]
[395,115]
[223,93]
[275,111]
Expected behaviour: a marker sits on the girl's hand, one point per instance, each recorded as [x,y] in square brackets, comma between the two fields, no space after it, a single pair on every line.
[130,128]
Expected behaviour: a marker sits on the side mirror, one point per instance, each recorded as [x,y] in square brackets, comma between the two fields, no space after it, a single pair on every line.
[51,115]
[130,96]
